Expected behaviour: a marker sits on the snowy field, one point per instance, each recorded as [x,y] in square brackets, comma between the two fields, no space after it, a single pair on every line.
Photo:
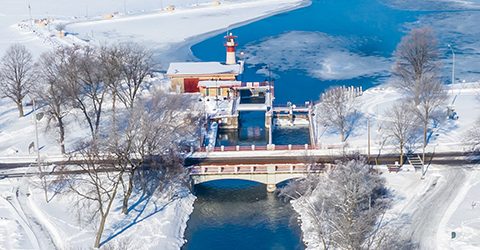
[431,209]
[448,135]
[168,33]
[28,222]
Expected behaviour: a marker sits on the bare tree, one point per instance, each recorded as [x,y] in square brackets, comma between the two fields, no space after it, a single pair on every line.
[111,59]
[137,64]
[432,97]
[338,109]
[53,67]
[87,88]
[60,27]
[151,132]
[417,55]
[401,125]
[343,205]
[95,187]
[17,74]
[471,137]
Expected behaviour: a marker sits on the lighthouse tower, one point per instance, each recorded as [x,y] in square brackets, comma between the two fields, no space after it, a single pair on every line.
[230,44]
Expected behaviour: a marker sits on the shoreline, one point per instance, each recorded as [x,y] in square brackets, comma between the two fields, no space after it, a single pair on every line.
[184,47]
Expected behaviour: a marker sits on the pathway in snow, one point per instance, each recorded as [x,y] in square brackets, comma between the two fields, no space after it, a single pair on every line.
[42,234]
[432,205]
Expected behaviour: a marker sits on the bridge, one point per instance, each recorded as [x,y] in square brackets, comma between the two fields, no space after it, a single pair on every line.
[271,166]
[269,174]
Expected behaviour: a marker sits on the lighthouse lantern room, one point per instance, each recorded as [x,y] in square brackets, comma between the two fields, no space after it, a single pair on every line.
[230,44]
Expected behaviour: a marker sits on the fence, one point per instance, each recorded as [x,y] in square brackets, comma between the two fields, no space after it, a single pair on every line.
[253,148]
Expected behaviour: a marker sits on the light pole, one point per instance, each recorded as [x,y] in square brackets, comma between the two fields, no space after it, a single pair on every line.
[36,137]
[453,65]
[368,126]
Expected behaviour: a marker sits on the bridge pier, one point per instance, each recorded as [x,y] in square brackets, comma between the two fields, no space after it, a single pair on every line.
[271,180]
[271,188]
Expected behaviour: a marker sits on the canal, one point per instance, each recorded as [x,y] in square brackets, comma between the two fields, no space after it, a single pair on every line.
[236,214]
[252,131]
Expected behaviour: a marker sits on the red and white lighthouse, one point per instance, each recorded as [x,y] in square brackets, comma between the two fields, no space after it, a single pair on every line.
[230,44]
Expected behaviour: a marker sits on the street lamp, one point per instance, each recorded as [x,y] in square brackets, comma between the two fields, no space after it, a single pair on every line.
[453,65]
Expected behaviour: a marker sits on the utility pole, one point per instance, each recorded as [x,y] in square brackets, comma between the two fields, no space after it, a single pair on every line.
[36,137]
[453,65]
[368,126]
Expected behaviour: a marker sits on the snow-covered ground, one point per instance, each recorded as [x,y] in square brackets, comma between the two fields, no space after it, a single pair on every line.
[428,211]
[168,33]
[448,135]
[28,222]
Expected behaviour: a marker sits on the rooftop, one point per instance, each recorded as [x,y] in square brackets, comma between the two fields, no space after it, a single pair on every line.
[203,68]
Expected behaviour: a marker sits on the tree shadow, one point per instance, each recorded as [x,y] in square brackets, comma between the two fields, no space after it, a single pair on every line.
[354,124]
[140,207]
[57,187]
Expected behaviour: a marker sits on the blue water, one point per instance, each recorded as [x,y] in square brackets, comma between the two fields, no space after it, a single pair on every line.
[377,28]
[236,214]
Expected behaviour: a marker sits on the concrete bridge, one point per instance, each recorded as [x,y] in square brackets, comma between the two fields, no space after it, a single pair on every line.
[269,174]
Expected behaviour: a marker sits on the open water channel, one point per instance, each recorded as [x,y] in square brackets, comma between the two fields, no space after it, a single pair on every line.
[350,34]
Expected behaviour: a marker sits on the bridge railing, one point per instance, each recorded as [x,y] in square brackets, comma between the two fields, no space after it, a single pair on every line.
[318,146]
[255,148]
[290,105]
[257,169]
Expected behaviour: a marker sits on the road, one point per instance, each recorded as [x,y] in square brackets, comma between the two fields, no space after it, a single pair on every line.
[244,158]
[430,207]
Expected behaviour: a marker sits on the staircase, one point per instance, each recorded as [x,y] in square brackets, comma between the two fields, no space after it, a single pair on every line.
[416,161]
